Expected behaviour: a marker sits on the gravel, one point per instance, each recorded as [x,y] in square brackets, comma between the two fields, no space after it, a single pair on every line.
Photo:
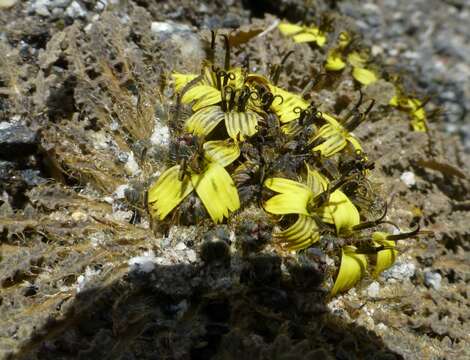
[429,38]
[432,279]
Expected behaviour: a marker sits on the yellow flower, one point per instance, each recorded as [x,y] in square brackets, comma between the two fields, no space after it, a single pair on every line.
[359,62]
[353,267]
[240,120]
[302,34]
[303,200]
[205,90]
[213,184]
[412,106]
[285,105]
[335,61]
[286,109]
[335,136]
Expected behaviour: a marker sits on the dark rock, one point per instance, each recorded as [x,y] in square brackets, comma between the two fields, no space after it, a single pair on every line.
[32,177]
[17,141]
[5,169]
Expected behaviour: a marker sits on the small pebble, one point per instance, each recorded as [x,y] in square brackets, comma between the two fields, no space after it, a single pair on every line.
[432,279]
[408,177]
[400,271]
[373,289]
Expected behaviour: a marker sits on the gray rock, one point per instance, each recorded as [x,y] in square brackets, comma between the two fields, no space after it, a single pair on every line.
[5,169]
[16,141]
[373,289]
[400,271]
[432,279]
[32,177]
[75,10]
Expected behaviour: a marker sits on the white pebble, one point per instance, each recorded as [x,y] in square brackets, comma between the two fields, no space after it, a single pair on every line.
[144,263]
[373,289]
[408,177]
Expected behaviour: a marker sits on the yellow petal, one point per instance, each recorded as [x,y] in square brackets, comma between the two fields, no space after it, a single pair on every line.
[386,257]
[204,95]
[364,76]
[283,204]
[292,200]
[331,146]
[217,191]
[334,61]
[394,101]
[342,211]
[303,233]
[344,40]
[285,110]
[289,29]
[310,37]
[419,124]
[223,152]
[182,79]
[354,142]
[418,121]
[167,192]
[317,182]
[286,186]
[356,59]
[203,121]
[352,269]
[241,124]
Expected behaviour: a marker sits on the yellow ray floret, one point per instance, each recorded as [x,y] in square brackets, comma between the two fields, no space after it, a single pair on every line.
[293,197]
[168,192]
[241,124]
[336,138]
[217,191]
[414,107]
[386,257]
[352,269]
[223,152]
[214,187]
[202,122]
[303,233]
[334,61]
[364,76]
[181,80]
[287,109]
[303,33]
[206,90]
[203,95]
[341,212]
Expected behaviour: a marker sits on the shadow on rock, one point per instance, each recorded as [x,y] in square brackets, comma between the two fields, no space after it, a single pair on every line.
[227,309]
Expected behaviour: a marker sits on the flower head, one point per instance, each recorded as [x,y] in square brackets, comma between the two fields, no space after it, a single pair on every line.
[302,34]
[305,200]
[209,179]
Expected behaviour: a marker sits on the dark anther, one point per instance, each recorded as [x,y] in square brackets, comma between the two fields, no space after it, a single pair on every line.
[278,68]
[406,235]
[227,52]
[212,50]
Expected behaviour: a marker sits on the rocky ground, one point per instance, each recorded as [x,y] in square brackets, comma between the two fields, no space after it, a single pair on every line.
[85,113]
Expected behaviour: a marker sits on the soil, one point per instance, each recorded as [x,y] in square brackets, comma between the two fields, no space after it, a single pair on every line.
[86,109]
